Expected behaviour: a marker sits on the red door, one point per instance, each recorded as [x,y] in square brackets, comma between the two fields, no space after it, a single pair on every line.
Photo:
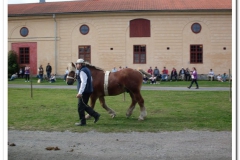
[27,55]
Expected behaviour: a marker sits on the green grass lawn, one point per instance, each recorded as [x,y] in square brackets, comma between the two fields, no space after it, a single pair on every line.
[162,84]
[56,110]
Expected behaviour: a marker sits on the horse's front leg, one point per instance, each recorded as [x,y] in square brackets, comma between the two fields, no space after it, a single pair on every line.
[137,98]
[104,105]
[92,104]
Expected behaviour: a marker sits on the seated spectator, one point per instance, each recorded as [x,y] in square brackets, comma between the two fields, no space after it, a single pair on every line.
[14,76]
[114,69]
[150,71]
[164,74]
[156,72]
[52,78]
[145,79]
[219,78]
[153,79]
[182,73]
[224,77]
[187,75]
[211,75]
[173,74]
[120,68]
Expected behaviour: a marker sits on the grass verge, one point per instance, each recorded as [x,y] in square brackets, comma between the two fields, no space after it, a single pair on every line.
[162,84]
[56,110]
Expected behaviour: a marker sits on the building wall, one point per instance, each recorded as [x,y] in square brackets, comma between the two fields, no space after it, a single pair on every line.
[107,31]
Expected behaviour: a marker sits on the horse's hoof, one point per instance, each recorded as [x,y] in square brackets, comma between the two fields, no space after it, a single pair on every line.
[87,116]
[140,118]
[128,115]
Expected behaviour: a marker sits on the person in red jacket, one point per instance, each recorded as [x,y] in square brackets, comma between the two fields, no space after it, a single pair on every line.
[164,74]
[150,71]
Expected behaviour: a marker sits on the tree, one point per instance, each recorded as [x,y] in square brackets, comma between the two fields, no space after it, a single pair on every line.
[13,66]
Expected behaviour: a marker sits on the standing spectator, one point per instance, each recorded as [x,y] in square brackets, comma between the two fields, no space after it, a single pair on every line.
[194,78]
[187,75]
[114,69]
[174,74]
[27,72]
[84,92]
[20,73]
[164,74]
[66,73]
[182,73]
[40,73]
[150,71]
[49,70]
[156,72]
[14,76]
[211,75]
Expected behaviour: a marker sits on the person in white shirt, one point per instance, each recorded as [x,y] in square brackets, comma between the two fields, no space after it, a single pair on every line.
[211,75]
[219,78]
[85,89]
[14,76]
[153,79]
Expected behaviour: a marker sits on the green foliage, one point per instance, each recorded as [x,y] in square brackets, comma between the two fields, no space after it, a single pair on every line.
[13,66]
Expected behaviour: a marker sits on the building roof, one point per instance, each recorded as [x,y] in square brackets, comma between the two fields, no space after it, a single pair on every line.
[82,6]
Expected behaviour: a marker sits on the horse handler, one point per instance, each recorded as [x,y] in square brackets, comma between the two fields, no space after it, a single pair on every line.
[85,90]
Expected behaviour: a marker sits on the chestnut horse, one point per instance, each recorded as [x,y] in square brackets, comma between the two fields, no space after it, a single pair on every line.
[112,84]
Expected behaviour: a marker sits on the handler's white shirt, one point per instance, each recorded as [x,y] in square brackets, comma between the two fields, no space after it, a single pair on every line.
[83,77]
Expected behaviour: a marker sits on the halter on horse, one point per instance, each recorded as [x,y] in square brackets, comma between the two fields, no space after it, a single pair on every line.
[111,84]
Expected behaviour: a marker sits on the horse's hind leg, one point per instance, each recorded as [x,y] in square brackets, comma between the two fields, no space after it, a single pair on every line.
[104,105]
[140,101]
[132,106]
[137,98]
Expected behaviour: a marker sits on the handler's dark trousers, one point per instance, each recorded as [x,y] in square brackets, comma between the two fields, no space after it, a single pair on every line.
[82,107]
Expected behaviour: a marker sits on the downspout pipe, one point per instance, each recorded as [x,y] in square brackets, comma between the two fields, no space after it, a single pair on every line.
[55,39]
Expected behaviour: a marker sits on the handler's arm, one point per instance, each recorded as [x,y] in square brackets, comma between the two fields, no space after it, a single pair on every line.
[83,78]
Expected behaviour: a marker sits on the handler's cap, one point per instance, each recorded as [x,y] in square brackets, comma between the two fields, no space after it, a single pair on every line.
[80,61]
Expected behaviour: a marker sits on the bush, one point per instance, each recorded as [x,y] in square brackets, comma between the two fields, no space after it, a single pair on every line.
[13,66]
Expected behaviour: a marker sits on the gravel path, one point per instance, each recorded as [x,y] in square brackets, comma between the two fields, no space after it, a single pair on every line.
[182,145]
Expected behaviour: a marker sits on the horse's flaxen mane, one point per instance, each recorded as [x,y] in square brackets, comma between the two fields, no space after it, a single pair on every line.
[90,65]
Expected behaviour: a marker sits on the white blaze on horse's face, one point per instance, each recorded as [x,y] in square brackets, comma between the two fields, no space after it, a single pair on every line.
[71,75]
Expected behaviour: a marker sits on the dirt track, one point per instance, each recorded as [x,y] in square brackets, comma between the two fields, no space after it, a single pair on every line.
[182,145]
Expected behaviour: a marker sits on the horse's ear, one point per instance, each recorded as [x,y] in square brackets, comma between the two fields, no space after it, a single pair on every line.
[73,65]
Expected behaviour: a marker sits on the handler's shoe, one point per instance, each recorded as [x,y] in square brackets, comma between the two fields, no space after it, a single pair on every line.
[80,124]
[97,118]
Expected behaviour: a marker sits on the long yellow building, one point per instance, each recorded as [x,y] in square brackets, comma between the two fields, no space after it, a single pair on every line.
[133,33]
